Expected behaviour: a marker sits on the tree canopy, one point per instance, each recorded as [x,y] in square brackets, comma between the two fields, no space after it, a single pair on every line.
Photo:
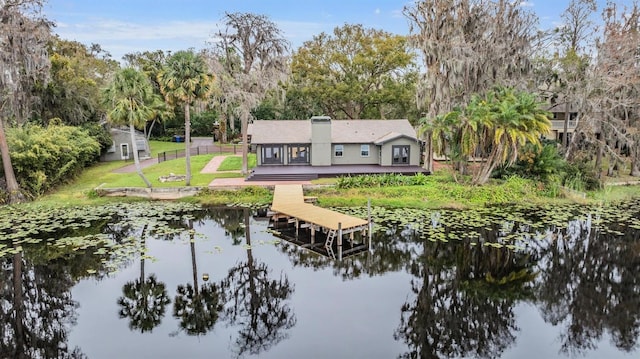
[355,73]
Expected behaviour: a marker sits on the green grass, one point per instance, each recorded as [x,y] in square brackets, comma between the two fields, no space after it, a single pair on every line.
[163,146]
[80,190]
[437,192]
[234,163]
[153,173]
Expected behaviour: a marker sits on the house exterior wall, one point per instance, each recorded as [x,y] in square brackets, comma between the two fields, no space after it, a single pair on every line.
[123,137]
[321,149]
[414,151]
[351,155]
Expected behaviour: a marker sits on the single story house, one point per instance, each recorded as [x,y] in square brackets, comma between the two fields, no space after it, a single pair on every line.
[321,142]
[121,146]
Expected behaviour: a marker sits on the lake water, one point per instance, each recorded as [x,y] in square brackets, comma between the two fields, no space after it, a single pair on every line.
[162,281]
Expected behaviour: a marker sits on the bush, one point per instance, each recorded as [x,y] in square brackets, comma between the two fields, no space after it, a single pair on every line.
[44,157]
[381,180]
[534,162]
[202,123]
[580,176]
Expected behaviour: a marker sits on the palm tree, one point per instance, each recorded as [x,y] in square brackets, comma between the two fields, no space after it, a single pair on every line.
[506,120]
[185,79]
[196,306]
[130,97]
[143,300]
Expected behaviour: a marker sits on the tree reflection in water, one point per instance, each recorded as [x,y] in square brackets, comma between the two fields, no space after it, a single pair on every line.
[464,299]
[470,273]
[144,300]
[196,306]
[582,279]
[589,285]
[36,309]
[256,303]
[580,271]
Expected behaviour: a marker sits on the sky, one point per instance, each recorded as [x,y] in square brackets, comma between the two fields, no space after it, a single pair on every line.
[126,26]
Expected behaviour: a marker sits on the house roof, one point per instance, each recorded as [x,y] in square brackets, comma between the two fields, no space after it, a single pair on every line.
[342,131]
[562,107]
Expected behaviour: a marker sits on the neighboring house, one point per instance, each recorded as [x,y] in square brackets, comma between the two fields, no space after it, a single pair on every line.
[321,142]
[557,122]
[121,146]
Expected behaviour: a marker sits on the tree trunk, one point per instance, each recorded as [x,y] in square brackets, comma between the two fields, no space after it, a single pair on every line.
[428,153]
[598,166]
[613,164]
[150,129]
[187,143]
[245,146]
[18,306]
[15,195]
[635,159]
[565,135]
[489,165]
[223,129]
[232,124]
[194,267]
[136,159]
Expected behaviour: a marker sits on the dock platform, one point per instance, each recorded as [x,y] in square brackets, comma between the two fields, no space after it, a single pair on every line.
[289,203]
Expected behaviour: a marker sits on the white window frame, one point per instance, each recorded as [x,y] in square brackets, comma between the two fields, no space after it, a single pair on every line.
[125,152]
[338,149]
[364,150]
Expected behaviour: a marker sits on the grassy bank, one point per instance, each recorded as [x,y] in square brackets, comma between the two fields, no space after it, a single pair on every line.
[81,190]
[438,190]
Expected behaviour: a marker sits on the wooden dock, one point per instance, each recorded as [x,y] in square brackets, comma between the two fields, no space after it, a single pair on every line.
[289,202]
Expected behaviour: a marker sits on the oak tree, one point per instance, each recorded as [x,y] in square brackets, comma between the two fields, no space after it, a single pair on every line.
[356,73]
[250,56]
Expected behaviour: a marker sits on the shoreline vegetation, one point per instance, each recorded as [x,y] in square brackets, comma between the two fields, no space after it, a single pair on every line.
[435,191]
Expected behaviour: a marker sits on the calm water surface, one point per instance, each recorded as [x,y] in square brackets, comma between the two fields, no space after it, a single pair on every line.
[495,283]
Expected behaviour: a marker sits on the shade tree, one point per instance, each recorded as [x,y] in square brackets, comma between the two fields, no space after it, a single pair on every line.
[355,73]
[250,56]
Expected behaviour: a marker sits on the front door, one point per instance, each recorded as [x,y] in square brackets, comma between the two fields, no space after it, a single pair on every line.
[400,155]
[124,151]
[272,155]
[299,154]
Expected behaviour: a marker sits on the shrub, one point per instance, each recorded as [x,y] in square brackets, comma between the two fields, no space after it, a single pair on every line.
[580,176]
[534,162]
[381,180]
[44,157]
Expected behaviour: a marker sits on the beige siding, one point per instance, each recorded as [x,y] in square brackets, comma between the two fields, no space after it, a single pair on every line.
[321,143]
[351,155]
[414,151]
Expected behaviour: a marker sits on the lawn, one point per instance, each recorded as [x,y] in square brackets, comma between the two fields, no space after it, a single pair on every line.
[234,163]
[79,189]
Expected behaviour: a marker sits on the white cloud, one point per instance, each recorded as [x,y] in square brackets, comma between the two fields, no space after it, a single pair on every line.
[121,37]
[377,11]
[527,4]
